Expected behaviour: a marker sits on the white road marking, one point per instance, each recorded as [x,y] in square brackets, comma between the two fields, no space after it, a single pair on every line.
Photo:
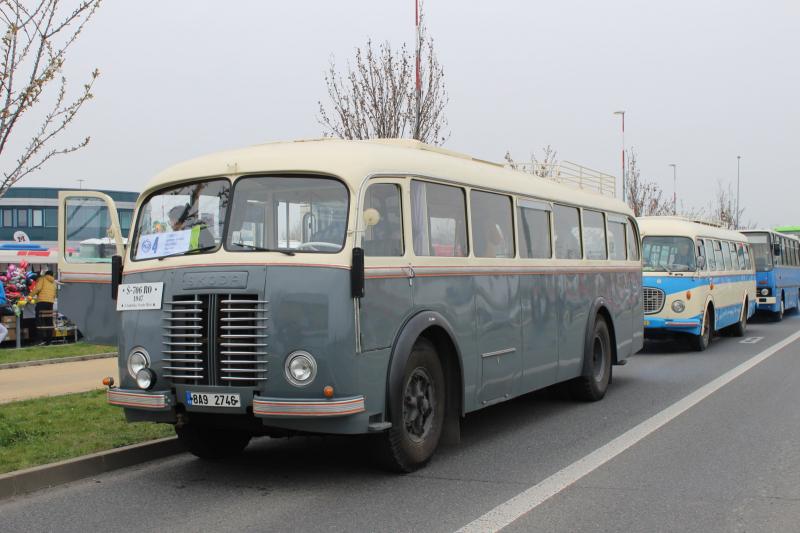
[751,340]
[509,511]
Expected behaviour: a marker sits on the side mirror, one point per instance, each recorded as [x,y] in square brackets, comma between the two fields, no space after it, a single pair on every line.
[116,275]
[776,249]
[357,274]
[701,262]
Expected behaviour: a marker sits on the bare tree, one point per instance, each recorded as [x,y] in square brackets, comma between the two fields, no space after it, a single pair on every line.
[722,209]
[544,167]
[378,99]
[34,48]
[645,198]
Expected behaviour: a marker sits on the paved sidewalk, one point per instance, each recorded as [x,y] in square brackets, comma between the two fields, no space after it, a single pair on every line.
[53,380]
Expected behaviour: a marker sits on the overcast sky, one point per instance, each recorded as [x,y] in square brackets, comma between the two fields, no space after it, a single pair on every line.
[702,82]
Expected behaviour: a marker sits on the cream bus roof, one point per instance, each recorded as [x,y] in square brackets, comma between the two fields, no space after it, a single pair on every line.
[785,235]
[354,160]
[683,226]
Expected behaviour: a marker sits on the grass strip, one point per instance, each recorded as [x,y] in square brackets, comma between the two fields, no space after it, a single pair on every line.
[36,353]
[46,430]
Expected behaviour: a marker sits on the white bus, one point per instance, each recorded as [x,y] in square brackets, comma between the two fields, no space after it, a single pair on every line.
[698,279]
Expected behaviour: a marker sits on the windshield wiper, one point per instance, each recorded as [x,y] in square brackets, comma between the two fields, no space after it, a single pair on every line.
[263,249]
[187,252]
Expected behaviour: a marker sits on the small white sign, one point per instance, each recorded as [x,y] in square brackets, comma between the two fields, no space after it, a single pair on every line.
[161,244]
[138,296]
[21,236]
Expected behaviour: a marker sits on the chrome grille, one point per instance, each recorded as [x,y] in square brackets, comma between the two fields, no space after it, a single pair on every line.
[237,356]
[653,300]
[242,340]
[186,339]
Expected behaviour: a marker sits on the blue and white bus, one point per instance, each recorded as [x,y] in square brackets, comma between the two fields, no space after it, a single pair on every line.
[697,279]
[777,258]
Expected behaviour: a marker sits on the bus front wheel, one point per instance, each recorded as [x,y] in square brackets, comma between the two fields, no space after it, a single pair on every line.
[211,443]
[702,341]
[593,383]
[417,414]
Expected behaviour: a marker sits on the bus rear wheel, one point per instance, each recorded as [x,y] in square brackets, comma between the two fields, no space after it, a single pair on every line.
[701,342]
[417,414]
[777,316]
[738,329]
[211,443]
[593,383]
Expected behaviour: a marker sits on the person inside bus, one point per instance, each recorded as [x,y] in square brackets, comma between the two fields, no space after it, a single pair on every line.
[684,255]
[45,294]
[181,219]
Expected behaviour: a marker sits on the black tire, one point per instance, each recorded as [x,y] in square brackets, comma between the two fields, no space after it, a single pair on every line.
[701,342]
[592,385]
[739,329]
[777,316]
[211,443]
[417,413]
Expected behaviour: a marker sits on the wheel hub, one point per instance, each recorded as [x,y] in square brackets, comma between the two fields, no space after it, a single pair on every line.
[418,405]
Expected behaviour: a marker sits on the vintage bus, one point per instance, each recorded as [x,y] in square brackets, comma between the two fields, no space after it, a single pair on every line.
[794,231]
[353,287]
[698,279]
[777,259]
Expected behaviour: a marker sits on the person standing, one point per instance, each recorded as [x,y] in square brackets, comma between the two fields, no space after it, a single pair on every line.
[3,305]
[45,294]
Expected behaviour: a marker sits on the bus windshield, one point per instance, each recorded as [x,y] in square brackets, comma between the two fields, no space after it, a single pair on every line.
[762,251]
[668,254]
[288,214]
[182,219]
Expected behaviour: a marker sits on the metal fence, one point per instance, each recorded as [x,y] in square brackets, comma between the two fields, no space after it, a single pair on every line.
[573,174]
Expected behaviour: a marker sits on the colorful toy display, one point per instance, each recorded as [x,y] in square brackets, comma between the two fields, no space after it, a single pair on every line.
[18,283]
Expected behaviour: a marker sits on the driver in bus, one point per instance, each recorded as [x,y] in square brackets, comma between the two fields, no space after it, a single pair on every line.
[683,255]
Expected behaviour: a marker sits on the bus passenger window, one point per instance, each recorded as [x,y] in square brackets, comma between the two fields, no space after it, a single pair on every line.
[616,240]
[594,235]
[438,220]
[710,258]
[740,248]
[747,263]
[567,232]
[734,259]
[384,239]
[701,252]
[633,241]
[719,257]
[533,232]
[492,223]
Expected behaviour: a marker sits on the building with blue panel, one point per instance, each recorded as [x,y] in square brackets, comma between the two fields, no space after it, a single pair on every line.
[34,212]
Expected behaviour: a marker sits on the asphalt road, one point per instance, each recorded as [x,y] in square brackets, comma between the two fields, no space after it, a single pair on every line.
[729,463]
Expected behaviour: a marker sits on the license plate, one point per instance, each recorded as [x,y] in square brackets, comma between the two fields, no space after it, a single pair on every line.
[139,296]
[213,399]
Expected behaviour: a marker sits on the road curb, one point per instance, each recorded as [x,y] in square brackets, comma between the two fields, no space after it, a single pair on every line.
[56,360]
[40,477]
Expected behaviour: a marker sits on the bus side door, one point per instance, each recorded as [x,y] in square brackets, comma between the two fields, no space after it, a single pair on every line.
[88,236]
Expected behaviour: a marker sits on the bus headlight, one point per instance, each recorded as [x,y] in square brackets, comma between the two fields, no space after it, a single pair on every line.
[145,378]
[678,306]
[138,359]
[300,368]
[764,292]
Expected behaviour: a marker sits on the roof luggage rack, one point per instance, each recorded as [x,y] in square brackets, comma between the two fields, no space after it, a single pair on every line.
[573,174]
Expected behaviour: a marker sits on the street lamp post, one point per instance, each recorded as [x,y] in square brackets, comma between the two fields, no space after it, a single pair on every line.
[624,191]
[80,184]
[738,159]
[674,188]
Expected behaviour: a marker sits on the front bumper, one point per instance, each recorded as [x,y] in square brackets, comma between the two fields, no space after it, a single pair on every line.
[690,325]
[262,407]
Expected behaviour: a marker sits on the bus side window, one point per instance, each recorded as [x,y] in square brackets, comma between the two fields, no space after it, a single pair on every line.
[726,256]
[740,255]
[616,240]
[384,239]
[594,235]
[701,252]
[633,241]
[567,232]
[492,224]
[533,233]
[747,263]
[438,220]
[714,259]
[732,252]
